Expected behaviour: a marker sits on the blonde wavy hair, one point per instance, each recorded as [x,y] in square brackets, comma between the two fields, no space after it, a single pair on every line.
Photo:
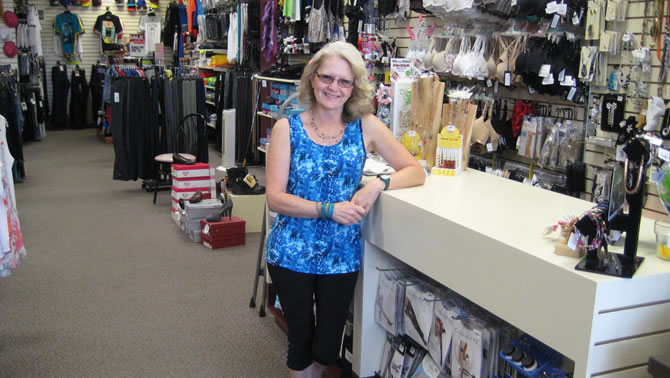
[360,102]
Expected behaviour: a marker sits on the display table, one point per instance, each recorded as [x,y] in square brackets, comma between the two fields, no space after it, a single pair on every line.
[481,236]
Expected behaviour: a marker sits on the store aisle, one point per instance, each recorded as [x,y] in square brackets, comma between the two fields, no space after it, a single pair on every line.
[111,288]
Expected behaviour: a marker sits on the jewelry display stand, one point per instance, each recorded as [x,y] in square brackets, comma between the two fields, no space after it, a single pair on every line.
[624,265]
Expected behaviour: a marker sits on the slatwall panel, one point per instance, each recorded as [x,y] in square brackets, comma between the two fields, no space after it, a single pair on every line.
[396,28]
[90,40]
[596,155]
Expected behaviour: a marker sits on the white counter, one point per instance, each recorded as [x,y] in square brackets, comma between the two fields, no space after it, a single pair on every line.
[481,235]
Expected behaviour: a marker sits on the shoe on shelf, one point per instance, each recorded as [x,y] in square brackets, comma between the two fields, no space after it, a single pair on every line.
[196,197]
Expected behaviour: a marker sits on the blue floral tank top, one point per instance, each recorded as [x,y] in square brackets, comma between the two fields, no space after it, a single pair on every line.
[320,173]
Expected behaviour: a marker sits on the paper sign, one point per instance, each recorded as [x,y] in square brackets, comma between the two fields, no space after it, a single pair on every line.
[136,45]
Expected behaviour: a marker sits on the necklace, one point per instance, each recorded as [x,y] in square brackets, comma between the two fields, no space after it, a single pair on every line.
[323,136]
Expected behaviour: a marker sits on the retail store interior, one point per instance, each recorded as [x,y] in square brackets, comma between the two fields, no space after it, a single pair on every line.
[134,143]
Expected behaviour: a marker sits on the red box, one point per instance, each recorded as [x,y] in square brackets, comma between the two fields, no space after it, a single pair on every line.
[223,228]
[230,241]
[224,233]
[190,170]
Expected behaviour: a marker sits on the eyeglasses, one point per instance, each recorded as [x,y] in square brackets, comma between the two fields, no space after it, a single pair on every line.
[327,79]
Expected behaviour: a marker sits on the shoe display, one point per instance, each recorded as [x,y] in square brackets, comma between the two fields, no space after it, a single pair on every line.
[178,158]
[226,209]
[248,185]
[235,174]
[196,197]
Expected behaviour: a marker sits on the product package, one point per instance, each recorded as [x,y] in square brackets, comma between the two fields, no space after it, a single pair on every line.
[418,313]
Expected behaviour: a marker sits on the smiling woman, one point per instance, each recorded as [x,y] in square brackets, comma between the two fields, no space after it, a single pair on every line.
[314,168]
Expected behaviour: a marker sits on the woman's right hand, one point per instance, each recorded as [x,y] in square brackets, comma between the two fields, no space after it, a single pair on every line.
[347,213]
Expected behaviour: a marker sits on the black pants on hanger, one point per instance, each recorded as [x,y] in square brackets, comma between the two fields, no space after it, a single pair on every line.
[79,100]
[95,87]
[61,88]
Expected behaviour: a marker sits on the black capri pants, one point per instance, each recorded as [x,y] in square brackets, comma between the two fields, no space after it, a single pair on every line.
[310,338]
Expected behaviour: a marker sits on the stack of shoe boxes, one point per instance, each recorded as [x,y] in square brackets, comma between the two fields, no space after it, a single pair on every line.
[188,179]
[228,232]
[195,213]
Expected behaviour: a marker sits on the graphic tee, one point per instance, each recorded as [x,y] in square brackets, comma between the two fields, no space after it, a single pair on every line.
[152,27]
[69,27]
[110,28]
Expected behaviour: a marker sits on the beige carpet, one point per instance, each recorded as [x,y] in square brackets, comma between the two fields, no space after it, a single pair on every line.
[111,287]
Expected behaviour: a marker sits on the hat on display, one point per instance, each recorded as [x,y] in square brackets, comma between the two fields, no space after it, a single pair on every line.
[9,49]
[10,19]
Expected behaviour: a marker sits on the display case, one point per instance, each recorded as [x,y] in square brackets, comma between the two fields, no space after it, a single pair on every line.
[481,236]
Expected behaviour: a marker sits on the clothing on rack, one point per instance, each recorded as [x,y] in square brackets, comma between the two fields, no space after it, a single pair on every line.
[110,28]
[68,27]
[10,109]
[12,249]
[61,88]
[139,134]
[78,99]
[34,30]
[95,86]
[242,102]
[151,25]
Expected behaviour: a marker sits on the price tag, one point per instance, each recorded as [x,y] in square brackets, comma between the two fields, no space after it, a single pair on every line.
[24,107]
[411,133]
[549,80]
[531,90]
[554,22]
[545,70]
[489,83]
[656,141]
[360,25]
[575,18]
[572,92]
[513,3]
[76,73]
[40,103]
[663,154]
[451,128]
[117,98]
[61,68]
[551,8]
[489,147]
[508,78]
[562,9]
[572,242]
[264,83]
[561,75]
